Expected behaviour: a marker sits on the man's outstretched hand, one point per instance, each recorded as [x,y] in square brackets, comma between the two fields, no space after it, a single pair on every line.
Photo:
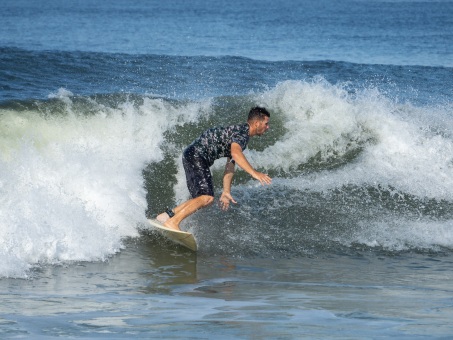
[263,178]
[225,200]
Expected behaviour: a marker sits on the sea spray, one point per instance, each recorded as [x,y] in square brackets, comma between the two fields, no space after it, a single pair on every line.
[363,138]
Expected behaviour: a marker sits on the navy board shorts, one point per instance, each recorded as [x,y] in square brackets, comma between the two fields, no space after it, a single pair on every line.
[198,174]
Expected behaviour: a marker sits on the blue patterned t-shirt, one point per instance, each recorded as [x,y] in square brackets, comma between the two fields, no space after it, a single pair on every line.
[216,143]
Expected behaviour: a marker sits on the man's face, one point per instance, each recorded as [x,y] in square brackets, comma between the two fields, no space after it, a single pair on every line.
[262,126]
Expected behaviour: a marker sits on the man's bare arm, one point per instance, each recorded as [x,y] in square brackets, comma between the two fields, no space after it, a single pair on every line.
[239,158]
[226,197]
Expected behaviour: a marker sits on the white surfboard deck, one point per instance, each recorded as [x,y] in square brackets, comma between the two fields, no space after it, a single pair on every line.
[183,238]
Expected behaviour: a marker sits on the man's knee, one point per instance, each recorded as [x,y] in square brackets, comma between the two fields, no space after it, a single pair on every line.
[207,200]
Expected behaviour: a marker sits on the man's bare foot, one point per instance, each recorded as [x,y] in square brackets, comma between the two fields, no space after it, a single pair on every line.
[171,225]
[162,218]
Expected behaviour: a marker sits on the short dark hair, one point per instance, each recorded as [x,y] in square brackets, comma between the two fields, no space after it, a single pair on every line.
[258,113]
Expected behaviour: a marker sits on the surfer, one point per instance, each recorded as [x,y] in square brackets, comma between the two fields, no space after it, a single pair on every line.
[198,157]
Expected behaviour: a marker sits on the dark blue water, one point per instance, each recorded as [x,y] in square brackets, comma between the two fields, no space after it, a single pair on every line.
[181,77]
[376,32]
[353,239]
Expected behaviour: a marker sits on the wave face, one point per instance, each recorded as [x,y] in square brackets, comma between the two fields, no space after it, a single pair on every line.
[353,169]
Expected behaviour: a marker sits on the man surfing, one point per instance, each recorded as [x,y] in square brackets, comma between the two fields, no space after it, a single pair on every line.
[198,157]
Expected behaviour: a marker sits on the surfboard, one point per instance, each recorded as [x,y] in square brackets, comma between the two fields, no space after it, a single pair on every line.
[183,238]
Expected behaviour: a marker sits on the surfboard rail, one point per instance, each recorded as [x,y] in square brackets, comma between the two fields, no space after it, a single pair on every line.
[183,238]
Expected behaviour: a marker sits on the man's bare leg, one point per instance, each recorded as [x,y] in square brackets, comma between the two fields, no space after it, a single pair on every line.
[186,209]
[164,217]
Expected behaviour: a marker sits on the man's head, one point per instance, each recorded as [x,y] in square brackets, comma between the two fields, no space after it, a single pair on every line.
[258,120]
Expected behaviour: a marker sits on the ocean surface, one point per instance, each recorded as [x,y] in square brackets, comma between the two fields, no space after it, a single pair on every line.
[353,239]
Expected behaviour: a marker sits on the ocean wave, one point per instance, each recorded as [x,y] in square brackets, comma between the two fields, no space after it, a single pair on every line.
[79,173]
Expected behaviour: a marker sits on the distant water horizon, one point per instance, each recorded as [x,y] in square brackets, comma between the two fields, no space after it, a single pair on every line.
[365,32]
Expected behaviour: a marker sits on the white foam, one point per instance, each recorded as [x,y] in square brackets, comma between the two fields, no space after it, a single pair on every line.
[71,186]
[399,234]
